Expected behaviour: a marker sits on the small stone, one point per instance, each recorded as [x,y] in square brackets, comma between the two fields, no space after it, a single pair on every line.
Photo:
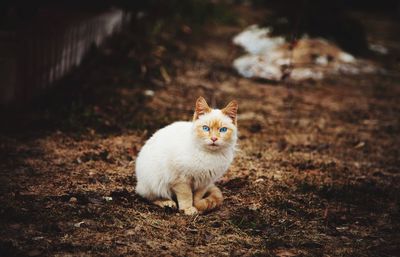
[108,198]
[73,200]
[148,92]
[253,207]
[359,145]
[259,180]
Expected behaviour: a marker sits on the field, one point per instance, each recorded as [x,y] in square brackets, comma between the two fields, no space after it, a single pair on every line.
[316,173]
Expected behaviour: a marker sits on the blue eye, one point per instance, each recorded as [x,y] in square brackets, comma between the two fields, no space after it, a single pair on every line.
[206,128]
[223,129]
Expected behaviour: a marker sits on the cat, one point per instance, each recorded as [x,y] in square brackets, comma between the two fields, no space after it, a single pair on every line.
[183,160]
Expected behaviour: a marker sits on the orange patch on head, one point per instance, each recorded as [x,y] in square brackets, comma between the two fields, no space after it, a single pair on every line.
[215,125]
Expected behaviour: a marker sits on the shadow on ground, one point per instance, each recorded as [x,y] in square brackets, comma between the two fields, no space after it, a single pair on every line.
[316,174]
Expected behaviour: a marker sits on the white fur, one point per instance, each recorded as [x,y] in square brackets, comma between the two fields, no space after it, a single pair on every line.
[175,152]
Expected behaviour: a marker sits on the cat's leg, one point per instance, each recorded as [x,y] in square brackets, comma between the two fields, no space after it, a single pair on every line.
[213,200]
[165,203]
[184,196]
[144,192]
[199,194]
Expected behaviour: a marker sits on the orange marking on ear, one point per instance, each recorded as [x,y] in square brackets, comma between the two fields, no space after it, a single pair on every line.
[231,111]
[201,108]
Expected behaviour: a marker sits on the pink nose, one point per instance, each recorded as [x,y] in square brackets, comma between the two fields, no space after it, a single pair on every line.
[214,139]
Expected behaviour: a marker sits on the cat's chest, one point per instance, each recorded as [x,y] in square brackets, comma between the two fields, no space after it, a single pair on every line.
[204,168]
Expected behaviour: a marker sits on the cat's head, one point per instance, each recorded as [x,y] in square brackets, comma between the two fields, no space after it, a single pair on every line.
[215,129]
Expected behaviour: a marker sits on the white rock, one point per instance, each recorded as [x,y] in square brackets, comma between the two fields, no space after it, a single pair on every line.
[256,40]
[149,92]
[380,49]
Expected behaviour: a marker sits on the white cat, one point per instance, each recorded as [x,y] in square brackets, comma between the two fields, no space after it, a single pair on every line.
[184,159]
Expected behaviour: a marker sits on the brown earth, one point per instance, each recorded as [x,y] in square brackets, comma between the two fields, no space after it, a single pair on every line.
[317,173]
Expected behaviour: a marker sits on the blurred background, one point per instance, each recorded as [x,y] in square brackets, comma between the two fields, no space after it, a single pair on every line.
[84,83]
[44,41]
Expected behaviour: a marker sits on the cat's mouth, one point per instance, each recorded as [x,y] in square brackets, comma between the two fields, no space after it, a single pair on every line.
[213,145]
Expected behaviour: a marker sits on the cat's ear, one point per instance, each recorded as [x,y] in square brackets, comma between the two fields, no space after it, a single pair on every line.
[231,111]
[201,108]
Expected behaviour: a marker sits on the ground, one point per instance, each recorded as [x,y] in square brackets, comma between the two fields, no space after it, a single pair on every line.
[316,173]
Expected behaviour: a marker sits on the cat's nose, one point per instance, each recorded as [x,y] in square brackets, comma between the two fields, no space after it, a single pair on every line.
[214,139]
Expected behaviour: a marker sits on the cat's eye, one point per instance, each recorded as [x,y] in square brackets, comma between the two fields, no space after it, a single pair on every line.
[223,129]
[206,128]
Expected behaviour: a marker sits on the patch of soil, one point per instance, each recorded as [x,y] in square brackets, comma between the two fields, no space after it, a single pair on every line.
[316,174]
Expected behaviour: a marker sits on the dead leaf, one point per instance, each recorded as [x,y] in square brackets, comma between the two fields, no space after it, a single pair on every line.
[360,145]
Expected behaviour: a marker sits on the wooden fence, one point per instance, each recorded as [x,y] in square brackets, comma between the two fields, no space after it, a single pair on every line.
[33,57]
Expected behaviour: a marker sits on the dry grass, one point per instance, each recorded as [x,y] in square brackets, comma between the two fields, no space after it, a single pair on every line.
[316,174]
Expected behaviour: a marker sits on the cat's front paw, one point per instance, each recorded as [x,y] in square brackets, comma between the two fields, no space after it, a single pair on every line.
[166,203]
[190,211]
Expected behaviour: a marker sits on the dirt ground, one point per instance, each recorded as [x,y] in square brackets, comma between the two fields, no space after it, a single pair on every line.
[317,173]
